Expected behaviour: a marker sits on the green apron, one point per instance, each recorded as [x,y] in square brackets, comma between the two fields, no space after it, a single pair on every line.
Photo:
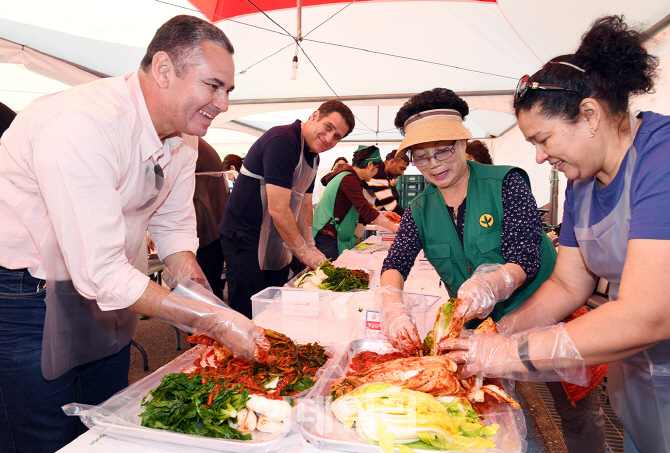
[482,234]
[324,214]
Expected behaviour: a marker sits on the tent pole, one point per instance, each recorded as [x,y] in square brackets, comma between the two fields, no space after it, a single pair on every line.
[299,10]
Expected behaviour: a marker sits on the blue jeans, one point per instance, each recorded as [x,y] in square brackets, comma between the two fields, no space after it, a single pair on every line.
[628,445]
[31,418]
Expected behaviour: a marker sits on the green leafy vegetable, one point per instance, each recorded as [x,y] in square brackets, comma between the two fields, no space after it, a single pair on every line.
[195,405]
[343,279]
[301,385]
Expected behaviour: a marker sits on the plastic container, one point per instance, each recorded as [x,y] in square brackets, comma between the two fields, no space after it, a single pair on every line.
[314,418]
[424,303]
[305,315]
[120,417]
[292,301]
[412,178]
[364,314]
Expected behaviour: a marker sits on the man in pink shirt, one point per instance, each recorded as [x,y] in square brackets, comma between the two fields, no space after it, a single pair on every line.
[83,174]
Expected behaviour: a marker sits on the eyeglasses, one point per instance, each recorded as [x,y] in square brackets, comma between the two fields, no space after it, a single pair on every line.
[440,154]
[159,180]
[525,84]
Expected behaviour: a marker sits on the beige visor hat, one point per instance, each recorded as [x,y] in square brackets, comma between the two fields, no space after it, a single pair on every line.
[432,126]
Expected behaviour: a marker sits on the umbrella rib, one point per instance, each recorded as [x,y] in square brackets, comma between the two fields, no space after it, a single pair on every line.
[222,18]
[328,84]
[273,21]
[262,60]
[307,56]
[410,58]
[345,7]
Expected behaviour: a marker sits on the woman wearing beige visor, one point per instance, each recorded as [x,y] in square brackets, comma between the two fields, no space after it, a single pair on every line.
[478,226]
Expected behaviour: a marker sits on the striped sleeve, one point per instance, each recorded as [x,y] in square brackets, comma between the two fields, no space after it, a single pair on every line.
[381,189]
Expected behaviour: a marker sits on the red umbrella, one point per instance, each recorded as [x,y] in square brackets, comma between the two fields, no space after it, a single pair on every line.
[218,10]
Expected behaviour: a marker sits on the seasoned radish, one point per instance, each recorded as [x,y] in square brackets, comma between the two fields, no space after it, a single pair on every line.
[277,410]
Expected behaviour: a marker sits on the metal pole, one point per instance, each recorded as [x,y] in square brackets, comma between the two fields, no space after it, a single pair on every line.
[299,36]
[553,196]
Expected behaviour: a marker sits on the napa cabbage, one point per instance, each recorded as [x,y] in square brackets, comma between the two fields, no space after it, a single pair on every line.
[392,416]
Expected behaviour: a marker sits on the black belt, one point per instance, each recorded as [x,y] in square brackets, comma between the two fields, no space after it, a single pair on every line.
[13,270]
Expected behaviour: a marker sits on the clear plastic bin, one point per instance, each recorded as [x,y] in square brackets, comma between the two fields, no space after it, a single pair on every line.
[292,301]
[305,315]
[424,304]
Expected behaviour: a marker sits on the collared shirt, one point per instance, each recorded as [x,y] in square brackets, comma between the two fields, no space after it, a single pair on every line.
[83,162]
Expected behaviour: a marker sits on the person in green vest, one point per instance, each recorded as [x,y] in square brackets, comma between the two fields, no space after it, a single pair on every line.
[344,205]
[477,224]
[479,227]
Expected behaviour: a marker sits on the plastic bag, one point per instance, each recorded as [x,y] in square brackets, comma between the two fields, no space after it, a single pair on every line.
[313,417]
[119,417]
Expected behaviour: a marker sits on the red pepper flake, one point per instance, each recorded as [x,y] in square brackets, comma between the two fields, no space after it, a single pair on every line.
[217,389]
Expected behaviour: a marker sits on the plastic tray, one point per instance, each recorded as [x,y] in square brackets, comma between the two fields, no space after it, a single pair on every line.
[291,283]
[319,426]
[119,417]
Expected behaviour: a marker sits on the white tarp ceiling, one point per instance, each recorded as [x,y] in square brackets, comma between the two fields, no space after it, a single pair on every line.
[371,54]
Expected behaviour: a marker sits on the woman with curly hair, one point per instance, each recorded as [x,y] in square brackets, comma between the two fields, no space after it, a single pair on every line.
[479,226]
[343,204]
[575,110]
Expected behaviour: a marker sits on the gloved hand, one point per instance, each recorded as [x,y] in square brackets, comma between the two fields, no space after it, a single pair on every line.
[397,322]
[489,284]
[192,308]
[186,267]
[309,256]
[541,354]
[384,222]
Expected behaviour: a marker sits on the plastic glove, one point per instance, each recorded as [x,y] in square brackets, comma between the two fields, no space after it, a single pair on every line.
[525,317]
[308,235]
[309,256]
[489,284]
[392,216]
[185,268]
[550,355]
[384,222]
[397,322]
[192,308]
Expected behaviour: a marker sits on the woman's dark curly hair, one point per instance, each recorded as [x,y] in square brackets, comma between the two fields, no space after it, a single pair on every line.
[616,66]
[359,157]
[437,98]
[478,152]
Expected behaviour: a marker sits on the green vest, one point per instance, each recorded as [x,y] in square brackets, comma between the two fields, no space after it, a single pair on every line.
[324,214]
[482,232]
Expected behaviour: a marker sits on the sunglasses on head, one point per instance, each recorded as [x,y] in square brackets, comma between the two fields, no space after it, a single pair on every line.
[525,84]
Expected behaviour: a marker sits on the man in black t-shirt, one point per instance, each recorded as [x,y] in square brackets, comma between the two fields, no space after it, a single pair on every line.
[279,169]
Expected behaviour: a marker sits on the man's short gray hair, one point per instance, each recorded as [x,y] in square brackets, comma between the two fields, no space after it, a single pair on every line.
[181,38]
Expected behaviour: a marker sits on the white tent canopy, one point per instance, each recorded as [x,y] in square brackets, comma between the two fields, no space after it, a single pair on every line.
[373,55]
